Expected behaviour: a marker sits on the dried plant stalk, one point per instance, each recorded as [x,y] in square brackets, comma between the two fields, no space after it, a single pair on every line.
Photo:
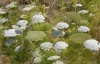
[95,29]
[19,1]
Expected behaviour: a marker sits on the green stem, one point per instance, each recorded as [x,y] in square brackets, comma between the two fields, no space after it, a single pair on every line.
[31,44]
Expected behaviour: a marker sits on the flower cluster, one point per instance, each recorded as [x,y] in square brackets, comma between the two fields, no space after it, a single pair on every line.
[58,62]
[20,25]
[2,11]
[78,5]
[92,44]
[10,33]
[12,5]
[61,25]
[83,29]
[46,46]
[28,8]
[37,60]
[59,46]
[3,20]
[83,11]
[53,58]
[38,18]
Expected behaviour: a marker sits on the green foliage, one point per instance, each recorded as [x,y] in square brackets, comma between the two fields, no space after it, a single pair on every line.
[16,57]
[86,3]
[79,37]
[35,35]
[42,27]
[83,22]
[78,55]
[73,16]
[22,56]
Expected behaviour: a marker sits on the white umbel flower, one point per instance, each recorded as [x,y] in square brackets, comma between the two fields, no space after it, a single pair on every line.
[39,18]
[62,25]
[12,5]
[46,46]
[28,8]
[19,48]
[58,62]
[36,54]
[15,27]
[99,44]
[59,46]
[37,60]
[2,12]
[92,5]
[78,5]
[1,9]
[3,20]
[22,16]
[22,23]
[63,33]
[10,33]
[83,29]
[83,11]
[53,58]
[21,28]
[91,15]
[92,44]
[54,28]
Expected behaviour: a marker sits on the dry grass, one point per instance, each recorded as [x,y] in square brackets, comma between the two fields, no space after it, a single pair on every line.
[95,29]
[20,1]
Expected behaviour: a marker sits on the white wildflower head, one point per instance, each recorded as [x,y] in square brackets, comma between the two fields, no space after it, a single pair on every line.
[22,23]
[83,11]
[38,18]
[78,5]
[12,5]
[63,33]
[15,27]
[19,48]
[99,44]
[1,9]
[54,28]
[59,46]
[46,46]
[36,54]
[22,16]
[10,33]
[58,62]
[37,60]
[92,5]
[92,44]
[3,20]
[21,28]
[2,12]
[28,8]
[62,25]
[16,49]
[91,15]
[83,29]
[53,57]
